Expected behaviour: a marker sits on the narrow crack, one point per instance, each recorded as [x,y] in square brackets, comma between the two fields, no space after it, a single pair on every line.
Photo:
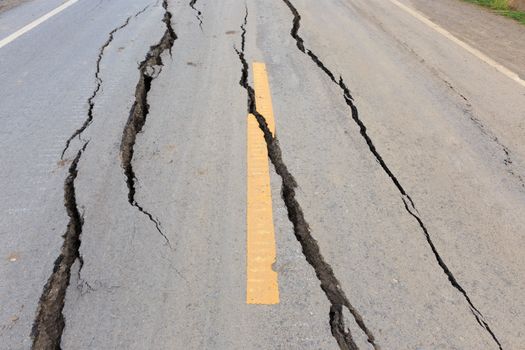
[329,283]
[49,322]
[98,79]
[198,14]
[467,111]
[407,200]
[507,160]
[149,69]
[142,11]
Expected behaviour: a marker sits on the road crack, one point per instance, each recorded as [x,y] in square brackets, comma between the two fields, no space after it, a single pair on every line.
[198,14]
[149,69]
[329,283]
[98,79]
[467,110]
[407,200]
[49,322]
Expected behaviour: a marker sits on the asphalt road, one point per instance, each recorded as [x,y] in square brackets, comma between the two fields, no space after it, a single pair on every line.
[396,170]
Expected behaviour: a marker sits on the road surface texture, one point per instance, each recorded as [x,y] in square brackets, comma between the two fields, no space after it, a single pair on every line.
[397,175]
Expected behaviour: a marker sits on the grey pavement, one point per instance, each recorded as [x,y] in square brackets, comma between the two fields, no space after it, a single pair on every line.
[406,149]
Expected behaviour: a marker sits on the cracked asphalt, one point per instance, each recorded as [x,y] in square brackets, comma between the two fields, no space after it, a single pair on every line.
[397,174]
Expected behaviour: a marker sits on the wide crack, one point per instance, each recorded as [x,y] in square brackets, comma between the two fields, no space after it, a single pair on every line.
[407,200]
[49,322]
[329,283]
[149,69]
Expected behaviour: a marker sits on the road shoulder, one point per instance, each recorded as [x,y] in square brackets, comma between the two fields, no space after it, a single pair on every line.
[9,4]
[498,37]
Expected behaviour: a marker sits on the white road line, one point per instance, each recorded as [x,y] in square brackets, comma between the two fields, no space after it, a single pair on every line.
[35,23]
[502,69]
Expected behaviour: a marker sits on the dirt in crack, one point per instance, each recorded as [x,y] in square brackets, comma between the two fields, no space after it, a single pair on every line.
[198,14]
[49,322]
[329,283]
[98,80]
[149,69]
[407,200]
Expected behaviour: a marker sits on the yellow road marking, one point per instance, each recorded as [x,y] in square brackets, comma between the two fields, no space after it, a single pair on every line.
[261,280]
[263,99]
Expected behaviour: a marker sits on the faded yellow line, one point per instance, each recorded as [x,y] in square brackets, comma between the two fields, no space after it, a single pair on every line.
[261,280]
